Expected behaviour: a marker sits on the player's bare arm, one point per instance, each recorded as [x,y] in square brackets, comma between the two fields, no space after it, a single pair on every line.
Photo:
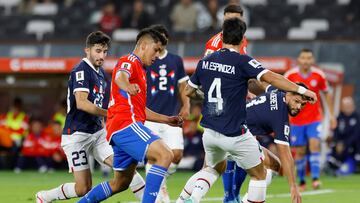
[282,83]
[84,104]
[160,118]
[122,81]
[329,102]
[194,93]
[185,101]
[288,170]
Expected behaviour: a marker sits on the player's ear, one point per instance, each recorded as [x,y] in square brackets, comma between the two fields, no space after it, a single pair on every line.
[87,50]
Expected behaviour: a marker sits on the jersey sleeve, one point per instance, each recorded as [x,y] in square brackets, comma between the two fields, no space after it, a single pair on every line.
[281,125]
[194,79]
[270,88]
[124,65]
[80,80]
[243,46]
[252,68]
[323,83]
[181,74]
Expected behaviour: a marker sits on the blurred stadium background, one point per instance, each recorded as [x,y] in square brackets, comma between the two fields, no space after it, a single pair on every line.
[41,40]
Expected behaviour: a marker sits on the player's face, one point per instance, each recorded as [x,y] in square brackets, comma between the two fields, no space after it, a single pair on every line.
[97,54]
[295,104]
[232,15]
[152,52]
[305,60]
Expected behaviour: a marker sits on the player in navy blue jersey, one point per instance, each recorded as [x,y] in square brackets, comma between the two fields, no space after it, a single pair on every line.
[166,81]
[223,77]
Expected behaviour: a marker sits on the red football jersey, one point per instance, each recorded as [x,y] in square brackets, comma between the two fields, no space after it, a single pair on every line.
[124,108]
[316,82]
[215,43]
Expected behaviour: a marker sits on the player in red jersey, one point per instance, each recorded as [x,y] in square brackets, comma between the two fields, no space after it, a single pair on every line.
[215,43]
[306,127]
[132,142]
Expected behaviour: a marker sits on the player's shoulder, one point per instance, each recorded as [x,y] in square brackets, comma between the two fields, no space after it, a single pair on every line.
[127,61]
[215,40]
[291,72]
[173,56]
[318,71]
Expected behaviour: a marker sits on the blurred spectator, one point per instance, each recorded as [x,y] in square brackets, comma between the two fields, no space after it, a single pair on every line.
[110,21]
[60,114]
[15,122]
[26,7]
[52,144]
[207,19]
[138,18]
[45,7]
[32,148]
[184,16]
[353,13]
[345,135]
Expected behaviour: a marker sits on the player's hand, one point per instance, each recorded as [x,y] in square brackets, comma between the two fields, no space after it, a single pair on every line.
[295,194]
[133,89]
[333,122]
[184,112]
[311,96]
[175,121]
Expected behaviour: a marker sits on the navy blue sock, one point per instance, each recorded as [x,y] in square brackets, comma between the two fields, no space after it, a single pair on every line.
[240,176]
[228,178]
[97,194]
[153,181]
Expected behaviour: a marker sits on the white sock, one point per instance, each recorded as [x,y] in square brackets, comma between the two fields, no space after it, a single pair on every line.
[64,191]
[137,186]
[147,168]
[257,191]
[204,183]
[189,186]
[172,168]
[269,174]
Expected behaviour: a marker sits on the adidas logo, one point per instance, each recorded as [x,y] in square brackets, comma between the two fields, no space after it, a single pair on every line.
[155,194]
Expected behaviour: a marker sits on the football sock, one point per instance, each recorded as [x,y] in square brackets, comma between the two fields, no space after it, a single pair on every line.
[300,168]
[257,191]
[240,176]
[315,165]
[137,186]
[203,184]
[154,179]
[228,180]
[97,194]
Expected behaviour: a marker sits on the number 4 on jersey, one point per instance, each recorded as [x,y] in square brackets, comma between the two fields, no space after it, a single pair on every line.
[216,85]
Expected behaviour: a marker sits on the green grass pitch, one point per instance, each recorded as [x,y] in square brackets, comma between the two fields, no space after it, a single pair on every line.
[21,188]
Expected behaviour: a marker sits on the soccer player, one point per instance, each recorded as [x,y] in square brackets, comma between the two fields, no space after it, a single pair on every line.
[166,81]
[84,134]
[234,176]
[131,141]
[215,42]
[223,77]
[306,127]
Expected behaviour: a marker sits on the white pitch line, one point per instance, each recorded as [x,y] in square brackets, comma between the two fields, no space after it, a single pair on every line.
[283,195]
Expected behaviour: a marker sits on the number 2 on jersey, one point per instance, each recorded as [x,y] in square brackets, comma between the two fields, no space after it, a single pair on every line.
[216,86]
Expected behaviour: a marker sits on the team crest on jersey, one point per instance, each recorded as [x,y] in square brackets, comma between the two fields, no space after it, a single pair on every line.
[313,83]
[79,76]
[125,65]
[254,63]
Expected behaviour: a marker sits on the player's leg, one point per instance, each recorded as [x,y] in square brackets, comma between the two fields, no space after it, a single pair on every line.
[313,132]
[228,178]
[76,148]
[239,178]
[215,157]
[103,153]
[298,141]
[248,155]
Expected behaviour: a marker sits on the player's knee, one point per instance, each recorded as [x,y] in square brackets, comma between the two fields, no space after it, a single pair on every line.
[83,189]
[120,184]
[167,156]
[178,154]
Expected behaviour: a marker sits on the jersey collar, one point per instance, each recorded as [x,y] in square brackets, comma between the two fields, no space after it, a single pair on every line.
[164,55]
[137,58]
[90,64]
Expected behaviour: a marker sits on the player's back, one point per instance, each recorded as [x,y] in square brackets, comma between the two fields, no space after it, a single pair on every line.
[223,77]
[163,77]
[84,77]
[316,82]
[268,113]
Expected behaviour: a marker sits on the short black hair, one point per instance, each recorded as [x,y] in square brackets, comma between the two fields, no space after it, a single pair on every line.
[97,37]
[233,8]
[161,28]
[155,35]
[233,31]
[306,50]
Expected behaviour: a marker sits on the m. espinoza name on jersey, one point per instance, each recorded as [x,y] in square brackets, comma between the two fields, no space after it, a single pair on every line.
[218,67]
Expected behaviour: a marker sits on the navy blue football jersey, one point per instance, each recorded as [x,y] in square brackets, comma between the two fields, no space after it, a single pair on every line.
[84,77]
[163,77]
[223,77]
[268,114]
